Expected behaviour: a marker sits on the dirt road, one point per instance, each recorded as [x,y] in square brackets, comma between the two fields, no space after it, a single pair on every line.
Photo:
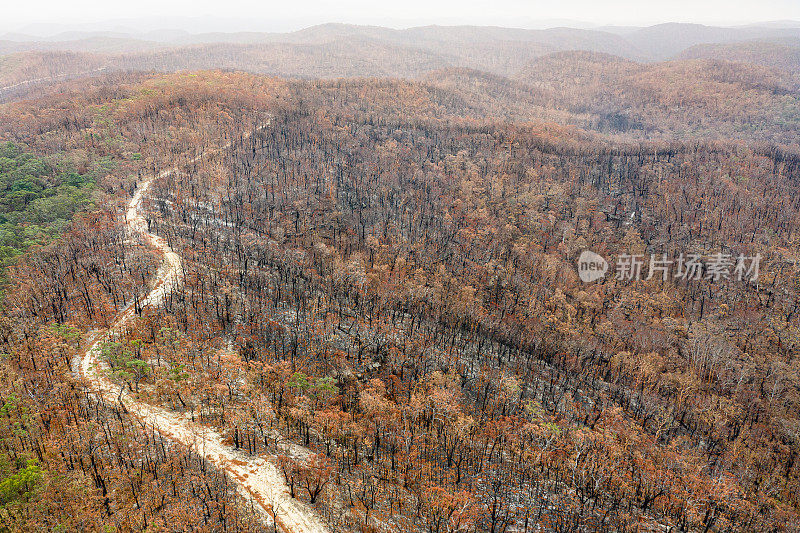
[256,477]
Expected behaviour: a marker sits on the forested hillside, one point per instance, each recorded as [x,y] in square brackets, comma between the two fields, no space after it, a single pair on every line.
[403,295]
[383,277]
[237,302]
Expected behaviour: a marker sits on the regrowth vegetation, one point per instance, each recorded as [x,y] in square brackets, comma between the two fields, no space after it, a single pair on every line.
[37,200]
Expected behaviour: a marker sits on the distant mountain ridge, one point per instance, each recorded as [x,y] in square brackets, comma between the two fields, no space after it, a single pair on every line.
[608,80]
[781,54]
[650,43]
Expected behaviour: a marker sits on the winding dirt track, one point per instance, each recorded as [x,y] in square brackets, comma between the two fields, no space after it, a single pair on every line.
[256,478]
[51,78]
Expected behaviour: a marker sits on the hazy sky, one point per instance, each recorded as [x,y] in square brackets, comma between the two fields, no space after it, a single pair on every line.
[290,14]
